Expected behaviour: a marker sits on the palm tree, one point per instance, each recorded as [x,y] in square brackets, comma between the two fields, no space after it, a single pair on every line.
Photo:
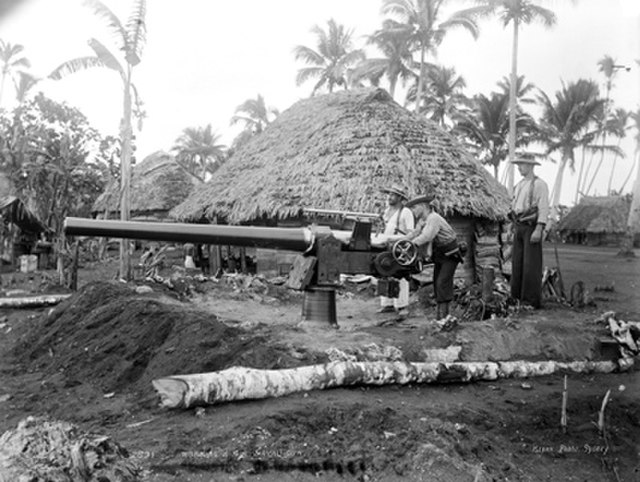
[255,114]
[24,84]
[617,126]
[517,12]
[633,220]
[421,21]
[635,117]
[523,90]
[12,62]
[397,63]
[567,124]
[198,151]
[487,128]
[333,60]
[130,39]
[606,65]
[443,99]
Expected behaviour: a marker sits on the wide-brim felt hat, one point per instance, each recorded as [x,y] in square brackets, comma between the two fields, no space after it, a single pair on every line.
[396,189]
[424,199]
[533,162]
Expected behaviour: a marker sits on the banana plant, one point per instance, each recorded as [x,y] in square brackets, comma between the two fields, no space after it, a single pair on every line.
[129,39]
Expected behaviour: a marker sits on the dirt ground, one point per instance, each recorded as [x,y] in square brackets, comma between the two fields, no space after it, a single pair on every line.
[90,361]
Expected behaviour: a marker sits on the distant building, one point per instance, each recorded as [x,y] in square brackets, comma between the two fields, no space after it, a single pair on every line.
[598,221]
[158,184]
[20,230]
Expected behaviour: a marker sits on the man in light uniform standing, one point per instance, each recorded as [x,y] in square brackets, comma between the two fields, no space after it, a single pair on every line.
[529,212]
[398,221]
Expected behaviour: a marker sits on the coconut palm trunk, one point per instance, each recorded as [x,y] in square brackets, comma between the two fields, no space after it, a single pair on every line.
[512,107]
[575,200]
[626,247]
[125,173]
[555,193]
[421,79]
[613,170]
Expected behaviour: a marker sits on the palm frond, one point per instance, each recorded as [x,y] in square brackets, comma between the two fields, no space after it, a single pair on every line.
[307,55]
[107,58]
[136,32]
[111,20]
[75,65]
[307,73]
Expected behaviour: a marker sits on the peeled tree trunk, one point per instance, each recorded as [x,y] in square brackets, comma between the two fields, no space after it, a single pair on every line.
[32,301]
[240,383]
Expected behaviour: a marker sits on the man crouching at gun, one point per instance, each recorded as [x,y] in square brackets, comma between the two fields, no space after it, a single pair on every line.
[437,239]
[529,212]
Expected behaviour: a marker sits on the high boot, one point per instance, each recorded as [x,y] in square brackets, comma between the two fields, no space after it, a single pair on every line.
[442,310]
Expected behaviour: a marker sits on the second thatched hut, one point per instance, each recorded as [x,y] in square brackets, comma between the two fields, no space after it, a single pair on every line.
[158,184]
[598,220]
[336,152]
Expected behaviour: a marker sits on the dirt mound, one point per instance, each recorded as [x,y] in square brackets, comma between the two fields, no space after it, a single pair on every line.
[45,450]
[115,337]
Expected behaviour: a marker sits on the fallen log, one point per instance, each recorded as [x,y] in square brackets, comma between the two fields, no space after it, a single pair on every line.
[33,301]
[240,383]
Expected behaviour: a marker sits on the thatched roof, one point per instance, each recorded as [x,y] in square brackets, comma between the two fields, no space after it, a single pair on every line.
[605,214]
[157,185]
[336,151]
[14,211]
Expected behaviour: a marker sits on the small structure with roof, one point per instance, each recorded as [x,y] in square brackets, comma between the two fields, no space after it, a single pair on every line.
[598,220]
[335,152]
[158,184]
[20,230]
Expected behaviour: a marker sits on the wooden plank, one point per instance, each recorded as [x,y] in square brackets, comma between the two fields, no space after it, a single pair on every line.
[302,272]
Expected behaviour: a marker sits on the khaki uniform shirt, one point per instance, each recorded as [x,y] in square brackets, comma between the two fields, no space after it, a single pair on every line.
[397,221]
[531,192]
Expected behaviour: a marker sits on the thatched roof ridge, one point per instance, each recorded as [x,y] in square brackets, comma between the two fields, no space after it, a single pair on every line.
[336,151]
[604,214]
[157,184]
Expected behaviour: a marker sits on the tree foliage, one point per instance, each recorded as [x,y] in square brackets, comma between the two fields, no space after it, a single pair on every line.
[333,60]
[54,159]
[199,152]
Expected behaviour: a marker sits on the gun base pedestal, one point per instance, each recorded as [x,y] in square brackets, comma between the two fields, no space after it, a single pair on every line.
[319,304]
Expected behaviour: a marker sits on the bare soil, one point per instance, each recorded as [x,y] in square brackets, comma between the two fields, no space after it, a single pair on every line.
[90,361]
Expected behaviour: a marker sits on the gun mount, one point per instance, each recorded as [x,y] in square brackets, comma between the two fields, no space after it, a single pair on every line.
[325,254]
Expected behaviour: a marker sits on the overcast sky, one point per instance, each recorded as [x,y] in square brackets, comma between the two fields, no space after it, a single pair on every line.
[203,58]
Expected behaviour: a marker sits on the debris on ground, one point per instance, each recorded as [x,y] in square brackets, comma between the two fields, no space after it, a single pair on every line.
[43,450]
[627,334]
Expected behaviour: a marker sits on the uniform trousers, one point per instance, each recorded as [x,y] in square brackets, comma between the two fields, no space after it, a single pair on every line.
[402,301]
[526,276]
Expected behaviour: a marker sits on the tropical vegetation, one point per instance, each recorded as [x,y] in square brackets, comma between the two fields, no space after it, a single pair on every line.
[129,39]
[45,144]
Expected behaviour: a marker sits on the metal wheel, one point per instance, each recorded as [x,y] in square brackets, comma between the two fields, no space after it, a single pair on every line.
[404,252]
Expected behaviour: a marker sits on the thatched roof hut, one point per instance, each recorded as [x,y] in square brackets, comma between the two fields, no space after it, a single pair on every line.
[597,220]
[336,151]
[158,184]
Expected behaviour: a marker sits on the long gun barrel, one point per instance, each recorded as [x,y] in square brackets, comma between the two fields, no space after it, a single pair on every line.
[293,239]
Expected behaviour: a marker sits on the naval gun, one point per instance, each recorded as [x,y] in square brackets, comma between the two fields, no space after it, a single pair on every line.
[325,253]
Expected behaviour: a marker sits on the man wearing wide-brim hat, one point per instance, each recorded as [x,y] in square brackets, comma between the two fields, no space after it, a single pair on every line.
[398,221]
[529,212]
[436,239]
